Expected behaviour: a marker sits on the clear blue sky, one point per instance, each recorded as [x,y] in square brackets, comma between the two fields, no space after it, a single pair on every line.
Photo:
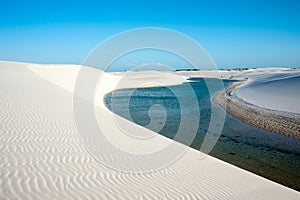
[235,33]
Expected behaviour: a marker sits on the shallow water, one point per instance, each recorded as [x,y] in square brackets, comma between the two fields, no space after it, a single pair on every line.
[268,154]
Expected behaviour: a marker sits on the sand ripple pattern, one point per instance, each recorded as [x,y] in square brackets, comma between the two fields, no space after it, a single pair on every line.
[42,156]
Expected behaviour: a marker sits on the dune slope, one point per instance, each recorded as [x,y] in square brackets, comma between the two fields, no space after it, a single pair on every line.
[43,157]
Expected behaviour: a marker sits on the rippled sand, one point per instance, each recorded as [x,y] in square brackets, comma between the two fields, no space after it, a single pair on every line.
[43,155]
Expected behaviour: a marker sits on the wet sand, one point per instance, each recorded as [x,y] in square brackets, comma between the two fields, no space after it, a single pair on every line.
[276,121]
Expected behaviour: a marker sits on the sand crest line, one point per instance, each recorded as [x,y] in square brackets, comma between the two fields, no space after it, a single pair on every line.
[42,156]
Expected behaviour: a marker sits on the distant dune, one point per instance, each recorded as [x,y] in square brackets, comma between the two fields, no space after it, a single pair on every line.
[279,92]
[268,99]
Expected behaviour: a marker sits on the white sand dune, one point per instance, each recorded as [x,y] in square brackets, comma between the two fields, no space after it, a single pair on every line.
[277,90]
[43,157]
[272,88]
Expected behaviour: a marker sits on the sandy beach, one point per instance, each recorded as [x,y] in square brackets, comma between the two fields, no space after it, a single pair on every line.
[43,155]
[268,99]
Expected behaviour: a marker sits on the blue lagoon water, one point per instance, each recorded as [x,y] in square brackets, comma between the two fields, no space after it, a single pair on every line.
[267,154]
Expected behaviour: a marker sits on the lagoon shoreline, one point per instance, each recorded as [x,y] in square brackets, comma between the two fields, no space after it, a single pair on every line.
[275,121]
[46,156]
